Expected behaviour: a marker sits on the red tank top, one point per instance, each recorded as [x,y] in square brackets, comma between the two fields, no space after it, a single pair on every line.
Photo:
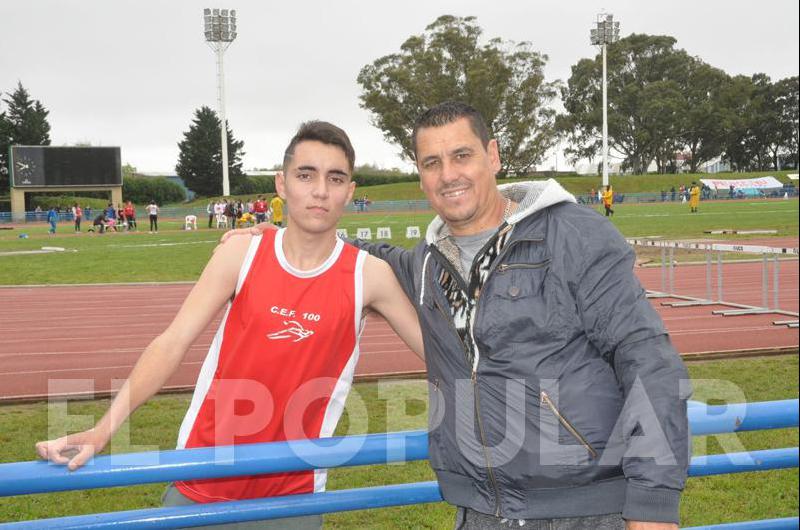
[280,366]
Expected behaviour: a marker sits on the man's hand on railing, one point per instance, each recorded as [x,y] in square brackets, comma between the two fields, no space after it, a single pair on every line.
[73,450]
[256,230]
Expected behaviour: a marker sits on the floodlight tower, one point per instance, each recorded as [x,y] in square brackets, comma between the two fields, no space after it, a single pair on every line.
[220,31]
[607,31]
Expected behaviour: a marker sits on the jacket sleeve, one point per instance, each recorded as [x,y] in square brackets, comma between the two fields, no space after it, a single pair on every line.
[400,259]
[653,429]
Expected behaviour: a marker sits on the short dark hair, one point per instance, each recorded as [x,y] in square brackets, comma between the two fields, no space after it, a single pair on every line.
[449,112]
[321,131]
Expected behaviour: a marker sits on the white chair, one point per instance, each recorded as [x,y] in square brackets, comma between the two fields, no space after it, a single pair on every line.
[222,221]
[190,222]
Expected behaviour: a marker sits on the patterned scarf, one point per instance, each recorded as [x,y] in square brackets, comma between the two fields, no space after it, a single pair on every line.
[462,303]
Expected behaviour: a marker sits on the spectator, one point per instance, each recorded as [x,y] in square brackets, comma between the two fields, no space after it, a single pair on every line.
[52,218]
[130,215]
[210,212]
[276,210]
[77,215]
[99,223]
[111,213]
[230,213]
[694,197]
[672,194]
[122,219]
[260,209]
[152,211]
[608,200]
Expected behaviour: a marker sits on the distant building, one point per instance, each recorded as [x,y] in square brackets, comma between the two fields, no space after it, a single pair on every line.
[717,165]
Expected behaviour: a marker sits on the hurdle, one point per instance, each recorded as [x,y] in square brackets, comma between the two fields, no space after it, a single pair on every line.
[22,478]
[769,255]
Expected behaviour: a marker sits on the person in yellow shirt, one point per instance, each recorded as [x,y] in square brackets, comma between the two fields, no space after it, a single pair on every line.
[276,207]
[247,219]
[694,197]
[608,200]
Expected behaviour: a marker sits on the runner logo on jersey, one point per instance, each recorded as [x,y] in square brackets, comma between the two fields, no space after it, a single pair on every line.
[294,329]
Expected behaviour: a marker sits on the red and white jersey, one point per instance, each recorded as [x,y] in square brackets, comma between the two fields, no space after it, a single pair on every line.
[280,366]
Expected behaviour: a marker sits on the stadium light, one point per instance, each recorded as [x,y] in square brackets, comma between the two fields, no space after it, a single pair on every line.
[606,32]
[219,28]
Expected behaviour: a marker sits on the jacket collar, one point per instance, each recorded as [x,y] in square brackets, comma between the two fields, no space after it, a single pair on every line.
[531,197]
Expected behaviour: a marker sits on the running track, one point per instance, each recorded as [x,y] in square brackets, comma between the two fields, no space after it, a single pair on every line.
[43,351]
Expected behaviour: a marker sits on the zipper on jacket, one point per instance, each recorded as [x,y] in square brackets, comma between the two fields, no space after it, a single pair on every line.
[489,468]
[572,430]
[503,267]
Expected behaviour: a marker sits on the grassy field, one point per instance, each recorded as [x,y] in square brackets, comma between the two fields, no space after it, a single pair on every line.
[707,500]
[177,255]
[579,185]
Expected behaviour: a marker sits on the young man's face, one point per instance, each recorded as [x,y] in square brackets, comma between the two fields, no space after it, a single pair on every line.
[456,172]
[317,186]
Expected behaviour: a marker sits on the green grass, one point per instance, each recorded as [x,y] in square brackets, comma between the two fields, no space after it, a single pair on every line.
[176,255]
[401,405]
[579,185]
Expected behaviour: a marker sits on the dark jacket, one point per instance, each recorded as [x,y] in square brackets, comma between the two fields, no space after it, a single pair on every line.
[575,370]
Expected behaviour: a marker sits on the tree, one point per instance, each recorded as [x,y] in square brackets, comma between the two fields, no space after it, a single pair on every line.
[200,158]
[23,123]
[736,98]
[503,80]
[645,107]
[704,128]
[787,93]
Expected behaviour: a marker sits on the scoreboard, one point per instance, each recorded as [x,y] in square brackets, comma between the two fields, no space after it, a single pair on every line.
[38,166]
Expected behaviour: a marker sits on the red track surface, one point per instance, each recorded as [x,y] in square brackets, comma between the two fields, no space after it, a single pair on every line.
[45,352]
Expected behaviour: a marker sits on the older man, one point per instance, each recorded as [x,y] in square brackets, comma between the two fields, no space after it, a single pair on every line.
[557,399]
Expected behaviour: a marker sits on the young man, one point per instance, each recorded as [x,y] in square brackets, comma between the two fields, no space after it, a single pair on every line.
[288,342]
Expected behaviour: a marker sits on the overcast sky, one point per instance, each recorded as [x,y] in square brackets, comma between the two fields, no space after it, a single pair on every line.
[131,73]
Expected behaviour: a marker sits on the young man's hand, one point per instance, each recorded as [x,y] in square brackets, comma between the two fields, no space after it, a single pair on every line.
[73,450]
[256,230]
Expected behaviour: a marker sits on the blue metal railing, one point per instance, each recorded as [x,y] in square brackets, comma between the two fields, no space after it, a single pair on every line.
[118,470]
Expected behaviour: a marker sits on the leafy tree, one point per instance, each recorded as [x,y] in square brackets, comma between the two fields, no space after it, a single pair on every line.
[705,112]
[23,123]
[142,190]
[646,107]
[128,171]
[200,158]
[5,142]
[786,93]
[736,99]
[502,79]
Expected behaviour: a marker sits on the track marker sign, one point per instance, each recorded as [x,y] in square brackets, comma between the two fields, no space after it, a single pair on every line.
[342,233]
[364,233]
[384,232]
[412,232]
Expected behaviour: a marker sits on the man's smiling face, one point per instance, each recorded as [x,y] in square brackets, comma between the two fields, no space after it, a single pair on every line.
[457,173]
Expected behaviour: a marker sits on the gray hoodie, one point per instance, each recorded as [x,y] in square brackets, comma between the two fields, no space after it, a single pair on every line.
[573,400]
